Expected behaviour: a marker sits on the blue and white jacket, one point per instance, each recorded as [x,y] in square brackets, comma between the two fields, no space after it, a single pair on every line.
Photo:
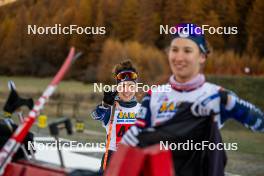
[158,107]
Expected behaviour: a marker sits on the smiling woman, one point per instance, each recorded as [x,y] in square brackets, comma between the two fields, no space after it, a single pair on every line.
[185,59]
[186,55]
[119,108]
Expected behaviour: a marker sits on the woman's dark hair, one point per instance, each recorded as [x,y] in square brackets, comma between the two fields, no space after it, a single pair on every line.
[124,65]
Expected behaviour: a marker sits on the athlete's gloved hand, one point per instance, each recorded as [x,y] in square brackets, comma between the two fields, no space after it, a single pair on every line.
[109,97]
[130,137]
[207,105]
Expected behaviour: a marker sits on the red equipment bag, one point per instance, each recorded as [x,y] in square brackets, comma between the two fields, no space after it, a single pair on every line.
[24,168]
[134,161]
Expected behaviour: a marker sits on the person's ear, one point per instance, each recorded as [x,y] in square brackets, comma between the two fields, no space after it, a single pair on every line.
[202,58]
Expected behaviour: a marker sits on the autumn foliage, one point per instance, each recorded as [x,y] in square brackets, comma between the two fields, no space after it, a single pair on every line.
[132,32]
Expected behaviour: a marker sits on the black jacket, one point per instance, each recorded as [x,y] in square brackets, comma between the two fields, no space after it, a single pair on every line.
[185,127]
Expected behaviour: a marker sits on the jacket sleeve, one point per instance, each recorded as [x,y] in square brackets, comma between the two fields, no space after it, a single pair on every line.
[144,114]
[244,112]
